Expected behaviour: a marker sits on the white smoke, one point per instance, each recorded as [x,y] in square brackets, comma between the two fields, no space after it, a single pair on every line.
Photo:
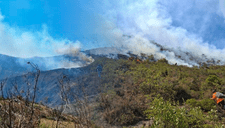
[73,49]
[148,20]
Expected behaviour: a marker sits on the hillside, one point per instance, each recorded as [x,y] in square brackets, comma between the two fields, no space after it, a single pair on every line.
[48,83]
[130,91]
[142,90]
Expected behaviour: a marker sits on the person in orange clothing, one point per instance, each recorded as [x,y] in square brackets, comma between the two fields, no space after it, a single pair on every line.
[218,97]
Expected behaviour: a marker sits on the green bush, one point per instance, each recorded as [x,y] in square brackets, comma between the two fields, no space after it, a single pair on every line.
[196,118]
[171,115]
[166,115]
[205,104]
[192,102]
[213,81]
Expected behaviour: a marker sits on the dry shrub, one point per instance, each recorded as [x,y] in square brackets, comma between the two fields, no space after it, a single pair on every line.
[124,105]
[22,112]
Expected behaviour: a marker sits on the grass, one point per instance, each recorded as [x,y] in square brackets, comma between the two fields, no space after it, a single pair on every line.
[46,123]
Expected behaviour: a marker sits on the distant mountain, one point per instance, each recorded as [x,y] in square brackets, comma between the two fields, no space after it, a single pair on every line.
[14,66]
[48,84]
[9,66]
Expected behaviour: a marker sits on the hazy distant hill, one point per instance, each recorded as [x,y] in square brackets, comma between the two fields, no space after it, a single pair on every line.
[48,85]
[13,66]
[9,66]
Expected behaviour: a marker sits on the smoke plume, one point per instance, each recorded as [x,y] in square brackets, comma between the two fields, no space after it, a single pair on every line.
[171,24]
[73,50]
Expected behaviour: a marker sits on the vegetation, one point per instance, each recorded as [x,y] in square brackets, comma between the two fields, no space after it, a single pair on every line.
[17,111]
[167,114]
[131,91]
[170,89]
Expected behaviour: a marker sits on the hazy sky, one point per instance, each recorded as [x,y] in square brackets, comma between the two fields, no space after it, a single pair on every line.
[40,27]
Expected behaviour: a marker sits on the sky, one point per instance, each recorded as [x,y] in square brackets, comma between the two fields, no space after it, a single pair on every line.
[31,28]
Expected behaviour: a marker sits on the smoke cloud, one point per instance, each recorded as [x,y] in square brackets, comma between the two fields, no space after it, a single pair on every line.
[73,49]
[171,24]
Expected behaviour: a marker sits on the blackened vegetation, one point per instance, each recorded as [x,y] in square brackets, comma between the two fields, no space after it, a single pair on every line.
[99,70]
[182,96]
[121,56]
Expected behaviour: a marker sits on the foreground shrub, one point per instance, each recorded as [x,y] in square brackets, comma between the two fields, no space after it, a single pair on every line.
[213,81]
[166,114]
[123,106]
[205,104]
